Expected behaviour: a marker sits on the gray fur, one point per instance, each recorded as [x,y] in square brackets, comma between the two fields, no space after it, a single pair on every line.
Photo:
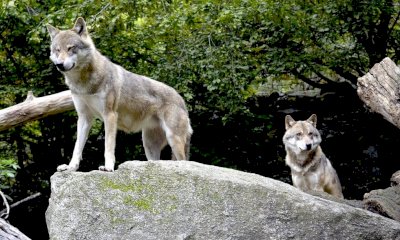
[310,168]
[122,99]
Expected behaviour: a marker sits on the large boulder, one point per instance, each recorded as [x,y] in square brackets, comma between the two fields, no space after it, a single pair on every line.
[188,200]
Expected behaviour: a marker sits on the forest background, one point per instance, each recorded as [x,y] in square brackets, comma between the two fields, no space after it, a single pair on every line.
[241,66]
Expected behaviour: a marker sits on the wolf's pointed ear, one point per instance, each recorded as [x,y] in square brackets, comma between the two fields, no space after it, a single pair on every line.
[80,27]
[313,120]
[52,31]
[289,122]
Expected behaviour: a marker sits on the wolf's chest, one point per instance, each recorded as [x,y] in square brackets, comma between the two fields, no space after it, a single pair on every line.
[94,104]
[130,119]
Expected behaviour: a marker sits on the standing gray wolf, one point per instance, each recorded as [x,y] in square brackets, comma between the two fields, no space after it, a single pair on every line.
[310,168]
[122,99]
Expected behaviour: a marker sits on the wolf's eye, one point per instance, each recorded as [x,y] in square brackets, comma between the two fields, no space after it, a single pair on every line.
[310,134]
[57,50]
[298,134]
[70,48]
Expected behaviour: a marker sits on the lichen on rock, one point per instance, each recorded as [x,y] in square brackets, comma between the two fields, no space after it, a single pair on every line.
[189,200]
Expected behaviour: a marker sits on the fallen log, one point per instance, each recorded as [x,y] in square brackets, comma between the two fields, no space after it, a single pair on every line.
[10,232]
[34,108]
[379,90]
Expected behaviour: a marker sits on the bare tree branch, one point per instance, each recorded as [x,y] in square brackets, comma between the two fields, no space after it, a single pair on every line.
[20,202]
[4,214]
[307,80]
[35,108]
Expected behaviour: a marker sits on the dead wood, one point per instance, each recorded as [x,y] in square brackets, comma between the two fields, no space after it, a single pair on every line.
[379,90]
[9,232]
[35,108]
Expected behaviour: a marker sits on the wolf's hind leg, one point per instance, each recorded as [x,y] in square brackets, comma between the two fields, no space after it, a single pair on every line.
[178,143]
[176,125]
[153,141]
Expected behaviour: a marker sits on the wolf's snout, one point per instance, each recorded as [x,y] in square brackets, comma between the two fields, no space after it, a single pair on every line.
[308,146]
[60,66]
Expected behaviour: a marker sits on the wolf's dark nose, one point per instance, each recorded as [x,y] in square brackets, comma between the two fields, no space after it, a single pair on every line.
[308,146]
[60,66]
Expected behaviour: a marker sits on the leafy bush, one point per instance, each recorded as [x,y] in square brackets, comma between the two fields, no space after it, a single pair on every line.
[8,170]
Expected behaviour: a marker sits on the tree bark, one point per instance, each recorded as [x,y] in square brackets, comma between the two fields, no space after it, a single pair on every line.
[35,108]
[10,232]
[379,90]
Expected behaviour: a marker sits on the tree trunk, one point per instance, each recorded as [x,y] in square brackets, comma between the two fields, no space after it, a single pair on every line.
[379,90]
[8,232]
[35,108]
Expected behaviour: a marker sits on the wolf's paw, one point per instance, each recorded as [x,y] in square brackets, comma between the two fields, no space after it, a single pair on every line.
[67,168]
[106,169]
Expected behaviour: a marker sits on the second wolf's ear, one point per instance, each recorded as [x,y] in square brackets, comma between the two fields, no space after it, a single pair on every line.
[289,122]
[313,120]
[80,27]
[52,31]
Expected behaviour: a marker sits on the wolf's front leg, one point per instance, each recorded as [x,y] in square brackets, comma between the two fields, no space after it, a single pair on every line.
[84,125]
[110,126]
[299,181]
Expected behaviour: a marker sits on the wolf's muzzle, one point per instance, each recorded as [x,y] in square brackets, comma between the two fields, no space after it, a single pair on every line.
[60,66]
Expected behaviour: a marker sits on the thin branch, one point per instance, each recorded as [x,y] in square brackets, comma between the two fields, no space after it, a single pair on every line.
[101,10]
[19,202]
[347,75]
[322,76]
[307,80]
[5,213]
[319,74]
[394,23]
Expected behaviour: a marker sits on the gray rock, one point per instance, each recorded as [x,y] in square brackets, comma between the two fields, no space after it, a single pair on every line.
[188,200]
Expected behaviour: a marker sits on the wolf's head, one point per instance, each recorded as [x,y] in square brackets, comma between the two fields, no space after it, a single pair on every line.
[70,48]
[301,136]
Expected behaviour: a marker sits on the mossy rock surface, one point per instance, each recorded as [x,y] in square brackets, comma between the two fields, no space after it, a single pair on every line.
[189,200]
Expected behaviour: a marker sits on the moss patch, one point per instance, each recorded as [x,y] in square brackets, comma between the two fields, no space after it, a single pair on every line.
[132,186]
[143,204]
[144,194]
[138,194]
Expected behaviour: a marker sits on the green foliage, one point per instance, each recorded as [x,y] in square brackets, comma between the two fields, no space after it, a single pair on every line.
[8,170]
[215,53]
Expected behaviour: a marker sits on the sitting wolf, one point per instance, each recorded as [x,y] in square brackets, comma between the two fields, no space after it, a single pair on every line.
[120,98]
[310,168]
